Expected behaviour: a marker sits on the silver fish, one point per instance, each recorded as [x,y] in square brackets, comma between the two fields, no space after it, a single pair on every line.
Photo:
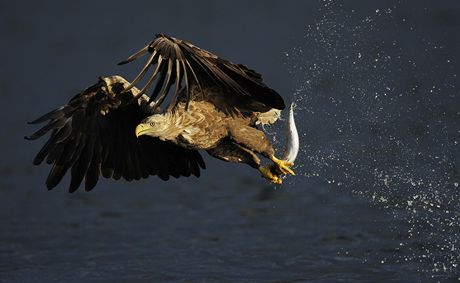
[291,148]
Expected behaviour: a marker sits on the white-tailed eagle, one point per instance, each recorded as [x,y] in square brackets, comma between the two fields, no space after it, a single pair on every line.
[198,102]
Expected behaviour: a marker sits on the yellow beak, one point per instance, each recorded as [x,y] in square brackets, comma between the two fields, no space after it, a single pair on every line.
[141,129]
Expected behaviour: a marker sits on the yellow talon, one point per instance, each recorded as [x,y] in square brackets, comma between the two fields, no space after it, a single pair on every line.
[283,166]
[267,174]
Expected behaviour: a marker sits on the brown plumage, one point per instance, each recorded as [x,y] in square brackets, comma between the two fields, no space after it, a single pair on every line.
[114,130]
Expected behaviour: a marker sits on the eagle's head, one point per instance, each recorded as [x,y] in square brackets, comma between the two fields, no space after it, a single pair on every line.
[155,126]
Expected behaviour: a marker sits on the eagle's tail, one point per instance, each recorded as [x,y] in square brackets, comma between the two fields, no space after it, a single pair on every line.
[269,117]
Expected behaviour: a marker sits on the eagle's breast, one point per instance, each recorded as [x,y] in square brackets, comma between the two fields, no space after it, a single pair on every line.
[201,126]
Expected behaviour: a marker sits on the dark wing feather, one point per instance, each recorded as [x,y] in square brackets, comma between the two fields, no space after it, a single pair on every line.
[177,61]
[92,144]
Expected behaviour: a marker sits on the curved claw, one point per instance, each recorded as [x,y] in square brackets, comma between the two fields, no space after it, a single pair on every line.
[268,174]
[283,166]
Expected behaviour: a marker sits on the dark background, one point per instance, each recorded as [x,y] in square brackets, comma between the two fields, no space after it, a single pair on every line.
[376,195]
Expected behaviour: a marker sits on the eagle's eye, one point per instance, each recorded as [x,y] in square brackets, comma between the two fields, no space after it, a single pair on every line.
[152,124]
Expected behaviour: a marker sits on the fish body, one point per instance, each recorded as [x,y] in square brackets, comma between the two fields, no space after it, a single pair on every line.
[292,137]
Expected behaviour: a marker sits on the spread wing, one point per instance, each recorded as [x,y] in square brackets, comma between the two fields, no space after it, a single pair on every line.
[181,64]
[94,135]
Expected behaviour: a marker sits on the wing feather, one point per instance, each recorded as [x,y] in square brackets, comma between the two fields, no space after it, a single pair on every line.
[94,135]
[142,72]
[233,84]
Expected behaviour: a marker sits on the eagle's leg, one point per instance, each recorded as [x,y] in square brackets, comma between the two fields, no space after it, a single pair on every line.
[256,140]
[282,165]
[233,152]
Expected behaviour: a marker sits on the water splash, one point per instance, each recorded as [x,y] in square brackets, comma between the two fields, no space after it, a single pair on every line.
[380,98]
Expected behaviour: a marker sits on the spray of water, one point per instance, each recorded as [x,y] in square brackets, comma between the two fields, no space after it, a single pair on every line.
[381,120]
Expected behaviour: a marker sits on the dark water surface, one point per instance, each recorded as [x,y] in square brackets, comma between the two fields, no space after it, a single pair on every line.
[376,198]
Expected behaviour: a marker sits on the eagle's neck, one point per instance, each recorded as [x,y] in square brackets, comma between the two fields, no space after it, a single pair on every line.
[185,126]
